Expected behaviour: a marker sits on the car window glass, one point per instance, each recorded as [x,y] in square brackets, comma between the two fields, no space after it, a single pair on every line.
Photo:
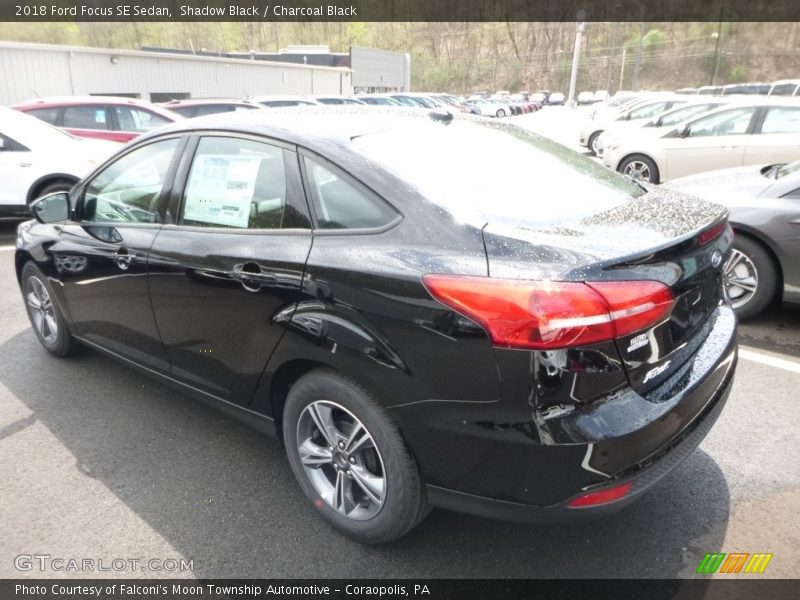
[648,111]
[11,145]
[783,89]
[48,115]
[340,205]
[684,113]
[128,190]
[782,119]
[240,184]
[793,194]
[212,109]
[85,117]
[134,119]
[729,122]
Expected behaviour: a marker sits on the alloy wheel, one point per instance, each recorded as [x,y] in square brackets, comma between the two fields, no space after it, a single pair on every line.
[740,278]
[637,169]
[41,309]
[341,460]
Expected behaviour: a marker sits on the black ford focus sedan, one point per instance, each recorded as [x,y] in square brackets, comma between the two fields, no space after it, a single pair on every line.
[427,310]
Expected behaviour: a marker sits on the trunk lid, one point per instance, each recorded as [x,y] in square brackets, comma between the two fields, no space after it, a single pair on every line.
[657,236]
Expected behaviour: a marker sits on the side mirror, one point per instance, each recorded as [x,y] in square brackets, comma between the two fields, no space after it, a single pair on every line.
[683,131]
[52,208]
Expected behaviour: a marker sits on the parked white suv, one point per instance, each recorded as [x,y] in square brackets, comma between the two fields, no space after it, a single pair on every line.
[37,159]
[762,131]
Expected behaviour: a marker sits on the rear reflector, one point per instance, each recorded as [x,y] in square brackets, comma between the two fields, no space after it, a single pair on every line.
[601,497]
[549,315]
[711,233]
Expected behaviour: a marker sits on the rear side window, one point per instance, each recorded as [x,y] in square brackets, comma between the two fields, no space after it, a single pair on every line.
[780,119]
[239,184]
[86,117]
[340,204]
[48,115]
[651,110]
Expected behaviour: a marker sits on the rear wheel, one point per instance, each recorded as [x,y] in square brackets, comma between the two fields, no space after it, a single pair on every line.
[46,318]
[350,459]
[638,166]
[750,277]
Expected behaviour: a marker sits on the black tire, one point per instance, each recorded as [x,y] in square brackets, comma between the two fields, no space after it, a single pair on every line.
[653,174]
[766,275]
[404,504]
[500,113]
[61,343]
[591,140]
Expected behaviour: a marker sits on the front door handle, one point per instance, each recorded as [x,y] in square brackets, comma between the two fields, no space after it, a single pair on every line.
[124,259]
[251,276]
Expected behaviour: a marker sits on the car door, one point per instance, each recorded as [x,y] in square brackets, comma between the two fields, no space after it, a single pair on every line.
[101,255]
[777,137]
[715,141]
[232,263]
[15,162]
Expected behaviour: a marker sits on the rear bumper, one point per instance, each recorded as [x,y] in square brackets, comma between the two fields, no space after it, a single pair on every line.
[641,477]
[483,458]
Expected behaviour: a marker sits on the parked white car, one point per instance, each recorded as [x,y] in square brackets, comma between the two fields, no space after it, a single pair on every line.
[638,111]
[586,98]
[761,131]
[614,134]
[38,159]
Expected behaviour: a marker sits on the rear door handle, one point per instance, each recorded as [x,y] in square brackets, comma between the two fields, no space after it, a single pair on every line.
[124,259]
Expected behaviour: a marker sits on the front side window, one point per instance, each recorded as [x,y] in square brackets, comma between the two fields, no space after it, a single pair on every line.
[239,184]
[86,117]
[729,122]
[339,204]
[682,114]
[128,190]
[135,119]
[651,110]
[782,119]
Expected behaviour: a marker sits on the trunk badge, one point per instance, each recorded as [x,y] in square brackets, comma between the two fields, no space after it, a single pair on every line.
[716,259]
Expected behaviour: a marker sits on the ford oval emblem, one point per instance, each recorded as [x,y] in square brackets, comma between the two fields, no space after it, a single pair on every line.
[716,259]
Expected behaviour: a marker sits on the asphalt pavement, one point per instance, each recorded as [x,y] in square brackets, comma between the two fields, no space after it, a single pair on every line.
[99,462]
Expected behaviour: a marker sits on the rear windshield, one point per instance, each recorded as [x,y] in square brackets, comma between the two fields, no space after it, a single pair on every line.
[492,172]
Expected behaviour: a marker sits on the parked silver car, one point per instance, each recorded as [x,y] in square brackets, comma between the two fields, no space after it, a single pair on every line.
[764,204]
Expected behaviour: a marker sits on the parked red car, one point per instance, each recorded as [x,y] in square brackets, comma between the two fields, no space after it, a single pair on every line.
[103,117]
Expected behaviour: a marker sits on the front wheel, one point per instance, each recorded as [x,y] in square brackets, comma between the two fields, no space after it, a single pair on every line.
[500,113]
[350,460]
[46,318]
[640,167]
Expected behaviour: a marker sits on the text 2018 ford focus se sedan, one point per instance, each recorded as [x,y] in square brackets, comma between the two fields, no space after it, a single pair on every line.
[428,310]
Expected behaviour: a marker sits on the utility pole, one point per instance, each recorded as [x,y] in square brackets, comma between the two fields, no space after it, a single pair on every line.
[716,47]
[622,69]
[613,45]
[635,84]
[576,55]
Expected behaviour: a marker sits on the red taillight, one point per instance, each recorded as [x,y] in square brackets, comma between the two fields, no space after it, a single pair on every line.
[547,315]
[601,497]
[712,233]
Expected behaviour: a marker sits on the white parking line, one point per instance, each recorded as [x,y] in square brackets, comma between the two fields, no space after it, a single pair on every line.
[766,359]
[6,248]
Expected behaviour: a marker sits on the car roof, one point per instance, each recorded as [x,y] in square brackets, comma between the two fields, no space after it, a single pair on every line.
[309,126]
[205,101]
[73,100]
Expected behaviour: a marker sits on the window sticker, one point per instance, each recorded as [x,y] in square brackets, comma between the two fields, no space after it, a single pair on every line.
[220,190]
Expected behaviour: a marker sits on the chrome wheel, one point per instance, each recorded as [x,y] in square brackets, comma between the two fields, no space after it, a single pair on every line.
[740,279]
[341,460]
[636,169]
[41,309]
[595,147]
